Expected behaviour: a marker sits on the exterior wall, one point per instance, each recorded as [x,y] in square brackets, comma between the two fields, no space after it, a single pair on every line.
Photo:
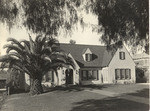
[75,76]
[105,75]
[87,82]
[61,79]
[116,63]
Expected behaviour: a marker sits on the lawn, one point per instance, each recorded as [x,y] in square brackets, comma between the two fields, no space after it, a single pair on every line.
[78,99]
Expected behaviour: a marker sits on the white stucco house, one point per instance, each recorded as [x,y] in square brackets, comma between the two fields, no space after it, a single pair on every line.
[94,65]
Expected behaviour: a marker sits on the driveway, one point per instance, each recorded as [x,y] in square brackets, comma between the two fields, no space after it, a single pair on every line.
[132,97]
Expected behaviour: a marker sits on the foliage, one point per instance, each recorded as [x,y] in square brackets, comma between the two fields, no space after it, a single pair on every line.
[72,41]
[141,75]
[35,57]
[118,20]
[42,16]
[125,20]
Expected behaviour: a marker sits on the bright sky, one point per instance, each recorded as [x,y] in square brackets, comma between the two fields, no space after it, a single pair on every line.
[81,36]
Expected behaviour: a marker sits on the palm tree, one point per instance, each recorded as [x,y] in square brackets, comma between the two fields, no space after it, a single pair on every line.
[35,58]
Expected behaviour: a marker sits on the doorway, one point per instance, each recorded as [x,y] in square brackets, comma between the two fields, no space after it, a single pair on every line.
[69,76]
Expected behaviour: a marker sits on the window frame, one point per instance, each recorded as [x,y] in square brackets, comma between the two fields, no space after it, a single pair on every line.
[89,77]
[123,74]
[88,57]
[122,55]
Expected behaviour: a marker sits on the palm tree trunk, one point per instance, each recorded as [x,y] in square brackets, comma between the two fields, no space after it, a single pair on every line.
[36,87]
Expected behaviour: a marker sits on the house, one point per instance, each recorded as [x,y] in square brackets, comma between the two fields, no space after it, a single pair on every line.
[142,63]
[141,60]
[94,65]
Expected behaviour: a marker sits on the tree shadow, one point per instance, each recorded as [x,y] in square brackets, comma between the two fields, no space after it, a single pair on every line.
[141,93]
[94,86]
[73,88]
[112,103]
[109,104]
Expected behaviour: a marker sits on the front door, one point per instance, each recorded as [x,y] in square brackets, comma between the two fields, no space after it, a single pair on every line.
[69,76]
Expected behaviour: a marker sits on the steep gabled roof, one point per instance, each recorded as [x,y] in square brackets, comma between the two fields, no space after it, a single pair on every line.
[101,56]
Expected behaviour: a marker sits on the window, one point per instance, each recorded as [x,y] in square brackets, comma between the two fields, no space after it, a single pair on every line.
[88,57]
[84,75]
[117,73]
[122,55]
[89,75]
[122,74]
[128,74]
[95,74]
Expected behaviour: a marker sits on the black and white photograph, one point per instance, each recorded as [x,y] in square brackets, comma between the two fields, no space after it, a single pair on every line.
[74,55]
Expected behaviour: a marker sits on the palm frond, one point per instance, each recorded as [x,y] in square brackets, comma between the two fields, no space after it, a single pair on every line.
[13,47]
[14,41]
[4,58]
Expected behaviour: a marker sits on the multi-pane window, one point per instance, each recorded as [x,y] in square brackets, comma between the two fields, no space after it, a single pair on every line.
[95,74]
[122,55]
[128,75]
[84,75]
[122,74]
[88,57]
[117,72]
[89,75]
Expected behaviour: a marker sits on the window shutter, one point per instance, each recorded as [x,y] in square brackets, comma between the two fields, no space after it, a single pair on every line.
[123,55]
[97,75]
[120,55]
[117,74]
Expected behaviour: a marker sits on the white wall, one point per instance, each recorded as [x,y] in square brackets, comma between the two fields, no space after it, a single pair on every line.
[105,75]
[121,64]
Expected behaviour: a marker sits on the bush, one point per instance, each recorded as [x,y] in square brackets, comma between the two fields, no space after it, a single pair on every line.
[140,75]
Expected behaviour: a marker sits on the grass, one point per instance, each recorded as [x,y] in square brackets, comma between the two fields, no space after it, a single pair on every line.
[74,98]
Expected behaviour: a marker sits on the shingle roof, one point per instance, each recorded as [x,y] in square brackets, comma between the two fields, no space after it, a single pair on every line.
[101,56]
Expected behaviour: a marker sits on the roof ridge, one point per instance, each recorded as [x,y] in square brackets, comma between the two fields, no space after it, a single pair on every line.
[84,44]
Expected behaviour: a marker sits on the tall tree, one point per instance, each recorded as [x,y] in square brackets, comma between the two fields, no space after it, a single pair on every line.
[125,20]
[41,16]
[122,20]
[35,58]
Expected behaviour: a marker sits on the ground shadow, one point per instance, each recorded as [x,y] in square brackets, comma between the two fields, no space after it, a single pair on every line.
[141,93]
[94,86]
[109,104]
[113,103]
[70,88]
[64,88]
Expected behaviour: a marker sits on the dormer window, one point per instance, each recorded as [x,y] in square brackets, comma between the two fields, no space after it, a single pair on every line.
[88,57]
